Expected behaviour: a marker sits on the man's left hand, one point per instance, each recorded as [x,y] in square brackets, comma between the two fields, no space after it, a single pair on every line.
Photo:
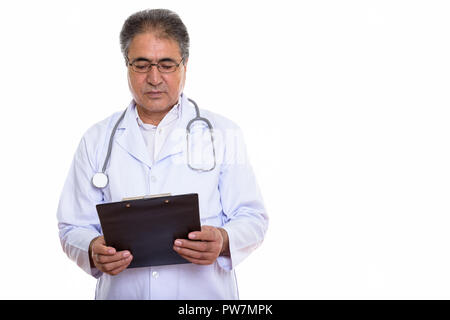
[204,246]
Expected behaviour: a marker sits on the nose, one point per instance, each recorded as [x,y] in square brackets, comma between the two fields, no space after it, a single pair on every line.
[154,76]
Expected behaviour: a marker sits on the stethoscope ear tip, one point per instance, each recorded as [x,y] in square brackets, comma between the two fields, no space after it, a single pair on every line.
[100,180]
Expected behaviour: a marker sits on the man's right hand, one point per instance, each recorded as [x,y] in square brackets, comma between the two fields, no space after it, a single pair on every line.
[106,259]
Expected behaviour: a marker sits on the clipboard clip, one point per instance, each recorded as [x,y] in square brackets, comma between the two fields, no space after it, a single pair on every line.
[148,196]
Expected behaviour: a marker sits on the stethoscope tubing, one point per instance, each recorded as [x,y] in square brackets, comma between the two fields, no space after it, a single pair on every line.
[188,132]
[103,177]
[111,140]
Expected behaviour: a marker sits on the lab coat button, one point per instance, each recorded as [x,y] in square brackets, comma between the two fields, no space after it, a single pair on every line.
[155,274]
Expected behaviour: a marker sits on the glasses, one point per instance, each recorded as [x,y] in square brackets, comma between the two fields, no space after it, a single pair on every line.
[144,66]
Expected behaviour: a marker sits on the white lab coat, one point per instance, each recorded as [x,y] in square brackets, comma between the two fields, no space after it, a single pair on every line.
[228,197]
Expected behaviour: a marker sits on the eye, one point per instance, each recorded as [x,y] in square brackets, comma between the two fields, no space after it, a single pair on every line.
[166,66]
[141,65]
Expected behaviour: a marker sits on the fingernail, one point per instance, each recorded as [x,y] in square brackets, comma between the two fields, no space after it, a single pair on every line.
[111,251]
[126,254]
[178,243]
[192,236]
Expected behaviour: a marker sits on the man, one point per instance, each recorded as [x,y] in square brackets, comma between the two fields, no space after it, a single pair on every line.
[149,155]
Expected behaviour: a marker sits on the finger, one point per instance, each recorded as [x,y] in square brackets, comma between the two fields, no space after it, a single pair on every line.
[202,246]
[206,234]
[103,259]
[194,254]
[100,247]
[197,261]
[115,268]
[115,272]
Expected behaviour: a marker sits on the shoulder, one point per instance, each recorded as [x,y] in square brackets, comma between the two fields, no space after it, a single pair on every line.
[228,138]
[95,139]
[101,128]
[219,121]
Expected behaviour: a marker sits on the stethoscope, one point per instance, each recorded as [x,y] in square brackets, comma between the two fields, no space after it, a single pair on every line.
[100,179]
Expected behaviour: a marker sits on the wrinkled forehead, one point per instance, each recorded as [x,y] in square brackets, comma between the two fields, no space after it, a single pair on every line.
[153,45]
[158,32]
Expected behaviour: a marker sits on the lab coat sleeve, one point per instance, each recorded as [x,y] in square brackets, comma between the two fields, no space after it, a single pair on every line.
[246,219]
[77,217]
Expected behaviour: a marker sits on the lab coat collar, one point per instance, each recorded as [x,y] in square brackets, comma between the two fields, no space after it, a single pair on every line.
[131,138]
[133,141]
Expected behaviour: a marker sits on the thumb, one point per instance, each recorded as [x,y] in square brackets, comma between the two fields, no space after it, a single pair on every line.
[100,247]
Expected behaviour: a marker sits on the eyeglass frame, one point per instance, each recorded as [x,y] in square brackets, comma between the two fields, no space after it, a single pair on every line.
[152,64]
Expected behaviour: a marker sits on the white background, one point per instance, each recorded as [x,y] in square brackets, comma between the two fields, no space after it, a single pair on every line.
[345,110]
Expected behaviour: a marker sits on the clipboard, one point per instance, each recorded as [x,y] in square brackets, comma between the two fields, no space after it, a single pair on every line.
[148,226]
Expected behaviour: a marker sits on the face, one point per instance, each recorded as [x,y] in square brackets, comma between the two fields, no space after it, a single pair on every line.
[155,92]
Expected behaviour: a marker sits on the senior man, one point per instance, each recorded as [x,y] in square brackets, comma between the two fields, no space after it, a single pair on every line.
[149,155]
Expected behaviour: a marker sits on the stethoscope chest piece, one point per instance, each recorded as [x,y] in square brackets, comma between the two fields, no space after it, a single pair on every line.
[100,180]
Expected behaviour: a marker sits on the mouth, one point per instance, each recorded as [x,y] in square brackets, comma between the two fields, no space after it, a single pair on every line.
[154,94]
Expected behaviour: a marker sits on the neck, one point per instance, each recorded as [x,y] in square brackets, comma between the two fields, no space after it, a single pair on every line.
[153,118]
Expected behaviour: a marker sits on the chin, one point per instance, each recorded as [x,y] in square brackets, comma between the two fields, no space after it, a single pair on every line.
[156,107]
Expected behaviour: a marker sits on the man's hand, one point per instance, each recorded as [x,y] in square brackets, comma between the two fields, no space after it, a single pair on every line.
[204,246]
[106,259]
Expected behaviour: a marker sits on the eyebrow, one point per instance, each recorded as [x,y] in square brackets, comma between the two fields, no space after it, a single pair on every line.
[160,60]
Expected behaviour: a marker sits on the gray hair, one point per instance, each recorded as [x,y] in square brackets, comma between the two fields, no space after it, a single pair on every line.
[167,23]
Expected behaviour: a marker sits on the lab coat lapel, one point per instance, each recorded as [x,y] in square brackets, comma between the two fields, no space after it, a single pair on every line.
[176,141]
[131,139]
